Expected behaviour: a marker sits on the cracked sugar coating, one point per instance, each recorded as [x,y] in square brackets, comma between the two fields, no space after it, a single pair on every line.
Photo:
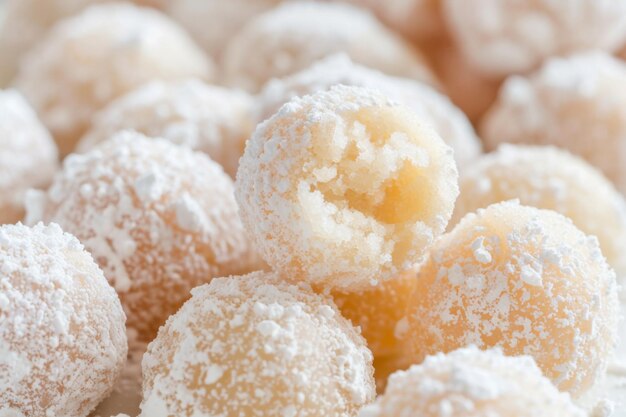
[378,311]
[523,279]
[257,346]
[294,35]
[62,335]
[211,119]
[27,21]
[213,23]
[577,103]
[505,37]
[549,178]
[159,218]
[472,383]
[451,124]
[344,187]
[105,51]
[28,155]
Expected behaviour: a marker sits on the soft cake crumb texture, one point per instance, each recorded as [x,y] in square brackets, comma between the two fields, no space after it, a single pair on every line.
[257,346]
[344,187]
[547,292]
[62,335]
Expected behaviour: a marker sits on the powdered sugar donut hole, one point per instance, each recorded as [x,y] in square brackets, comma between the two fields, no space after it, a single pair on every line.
[343,187]
[256,345]
[577,103]
[62,335]
[294,35]
[107,50]
[28,155]
[213,23]
[503,37]
[470,382]
[159,219]
[211,119]
[549,178]
[451,124]
[526,280]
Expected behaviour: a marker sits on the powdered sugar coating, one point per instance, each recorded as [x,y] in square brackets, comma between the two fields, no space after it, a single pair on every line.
[451,124]
[577,103]
[505,37]
[545,290]
[344,187]
[27,21]
[292,36]
[105,51]
[211,119]
[550,178]
[472,383]
[62,335]
[28,155]
[257,346]
[213,23]
[159,219]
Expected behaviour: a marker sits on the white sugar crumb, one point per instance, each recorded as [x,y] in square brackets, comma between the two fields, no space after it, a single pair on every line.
[434,108]
[604,408]
[325,207]
[530,275]
[470,380]
[138,204]
[481,254]
[261,347]
[60,323]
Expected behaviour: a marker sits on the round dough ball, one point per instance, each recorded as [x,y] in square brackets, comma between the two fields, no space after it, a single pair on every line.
[504,37]
[432,106]
[27,21]
[344,187]
[62,335]
[377,310]
[472,383]
[577,103]
[105,51]
[28,155]
[294,35]
[549,178]
[159,218]
[257,346]
[419,20]
[213,23]
[211,119]
[523,279]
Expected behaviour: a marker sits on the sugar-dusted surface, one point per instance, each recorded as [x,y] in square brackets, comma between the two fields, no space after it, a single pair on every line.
[505,37]
[28,155]
[472,383]
[549,178]
[256,346]
[103,52]
[62,335]
[294,35]
[208,118]
[343,187]
[432,106]
[159,218]
[528,281]
[577,103]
